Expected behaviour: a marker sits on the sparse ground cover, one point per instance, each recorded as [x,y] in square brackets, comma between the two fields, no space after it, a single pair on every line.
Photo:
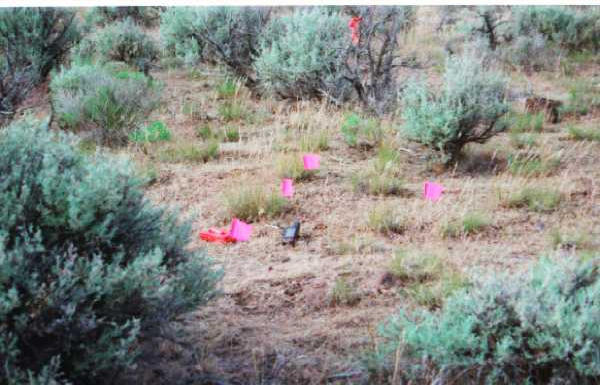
[370,243]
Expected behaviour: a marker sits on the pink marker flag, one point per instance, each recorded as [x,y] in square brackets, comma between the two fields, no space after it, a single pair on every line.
[287,187]
[240,231]
[432,191]
[311,161]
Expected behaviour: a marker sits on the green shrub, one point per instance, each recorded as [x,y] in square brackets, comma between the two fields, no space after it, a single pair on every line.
[468,108]
[251,203]
[301,54]
[228,88]
[88,265]
[89,97]
[155,132]
[539,327]
[32,42]
[361,132]
[535,199]
[229,34]
[122,41]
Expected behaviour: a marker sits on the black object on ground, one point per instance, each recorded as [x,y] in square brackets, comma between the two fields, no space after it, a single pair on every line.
[291,233]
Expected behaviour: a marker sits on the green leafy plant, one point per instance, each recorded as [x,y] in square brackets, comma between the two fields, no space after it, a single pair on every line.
[467,109]
[89,265]
[156,132]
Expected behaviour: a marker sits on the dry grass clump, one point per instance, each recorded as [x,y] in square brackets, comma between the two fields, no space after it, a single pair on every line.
[426,278]
[386,219]
[251,203]
[292,166]
[182,152]
[382,176]
[343,292]
[537,199]
[469,224]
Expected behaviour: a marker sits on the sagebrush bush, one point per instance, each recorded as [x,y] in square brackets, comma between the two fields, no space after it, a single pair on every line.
[539,327]
[122,41]
[467,109]
[111,106]
[229,34]
[177,35]
[567,27]
[301,54]
[147,16]
[88,265]
[32,42]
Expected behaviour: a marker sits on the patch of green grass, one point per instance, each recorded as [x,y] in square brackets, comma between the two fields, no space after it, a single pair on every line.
[232,134]
[314,141]
[569,240]
[193,110]
[361,132]
[205,132]
[232,110]
[470,224]
[583,96]
[524,140]
[189,152]
[385,219]
[426,278]
[535,199]
[251,203]
[292,166]
[526,122]
[343,293]
[381,177]
[157,131]
[431,294]
[531,164]
[228,88]
[584,133]
[87,146]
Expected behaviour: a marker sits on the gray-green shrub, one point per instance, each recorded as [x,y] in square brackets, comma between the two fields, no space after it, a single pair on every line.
[467,109]
[111,106]
[32,42]
[88,266]
[301,54]
[122,41]
[229,34]
[177,35]
[538,328]
[567,27]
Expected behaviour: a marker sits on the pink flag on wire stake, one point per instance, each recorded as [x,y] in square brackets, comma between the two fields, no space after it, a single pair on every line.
[311,161]
[432,191]
[287,187]
[240,231]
